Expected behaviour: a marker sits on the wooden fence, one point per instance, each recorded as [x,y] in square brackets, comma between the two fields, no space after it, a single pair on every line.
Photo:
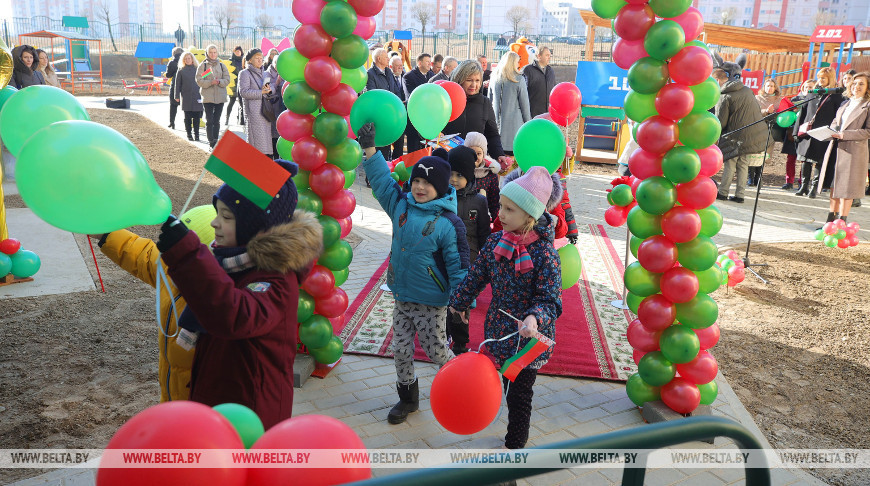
[784,62]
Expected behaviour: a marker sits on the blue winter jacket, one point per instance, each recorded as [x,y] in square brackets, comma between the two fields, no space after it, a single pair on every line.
[429,253]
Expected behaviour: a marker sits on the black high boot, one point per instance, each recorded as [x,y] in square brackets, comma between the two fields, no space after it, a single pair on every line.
[806,173]
[831,216]
[409,401]
[816,185]
[842,217]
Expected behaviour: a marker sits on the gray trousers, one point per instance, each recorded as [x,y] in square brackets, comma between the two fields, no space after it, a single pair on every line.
[742,164]
[426,322]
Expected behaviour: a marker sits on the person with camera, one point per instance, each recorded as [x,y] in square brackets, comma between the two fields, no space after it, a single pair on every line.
[254,85]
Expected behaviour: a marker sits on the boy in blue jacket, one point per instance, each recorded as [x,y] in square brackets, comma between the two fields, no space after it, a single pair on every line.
[428,259]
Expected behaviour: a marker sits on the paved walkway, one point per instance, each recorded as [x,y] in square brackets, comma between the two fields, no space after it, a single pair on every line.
[361,390]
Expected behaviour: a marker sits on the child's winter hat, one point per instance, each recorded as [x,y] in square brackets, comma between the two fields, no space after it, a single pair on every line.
[555,195]
[250,219]
[531,191]
[475,139]
[462,160]
[435,170]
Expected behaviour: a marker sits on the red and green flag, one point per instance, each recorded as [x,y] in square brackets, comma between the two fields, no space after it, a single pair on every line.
[207,72]
[246,169]
[535,347]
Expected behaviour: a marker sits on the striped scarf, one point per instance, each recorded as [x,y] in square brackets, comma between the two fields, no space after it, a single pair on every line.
[233,260]
[512,244]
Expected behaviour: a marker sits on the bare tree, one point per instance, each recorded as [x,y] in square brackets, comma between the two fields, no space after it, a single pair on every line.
[225,18]
[424,13]
[104,14]
[824,18]
[517,16]
[265,21]
[728,15]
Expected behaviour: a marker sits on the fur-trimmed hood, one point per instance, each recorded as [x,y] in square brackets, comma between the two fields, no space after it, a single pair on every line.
[555,194]
[489,165]
[288,247]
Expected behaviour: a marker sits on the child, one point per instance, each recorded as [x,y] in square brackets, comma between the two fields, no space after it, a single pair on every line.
[485,172]
[428,258]
[243,299]
[522,267]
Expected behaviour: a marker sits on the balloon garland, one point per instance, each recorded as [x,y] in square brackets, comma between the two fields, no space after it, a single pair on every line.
[673,221]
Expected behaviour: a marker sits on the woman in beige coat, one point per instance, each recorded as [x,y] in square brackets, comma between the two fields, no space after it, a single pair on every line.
[853,125]
[213,91]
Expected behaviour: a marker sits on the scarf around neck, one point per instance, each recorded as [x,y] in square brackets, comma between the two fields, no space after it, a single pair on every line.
[233,259]
[513,245]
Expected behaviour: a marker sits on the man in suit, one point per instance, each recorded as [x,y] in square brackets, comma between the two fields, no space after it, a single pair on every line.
[450,64]
[382,77]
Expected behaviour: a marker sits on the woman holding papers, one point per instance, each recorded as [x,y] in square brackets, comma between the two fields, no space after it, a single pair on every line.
[819,112]
[853,130]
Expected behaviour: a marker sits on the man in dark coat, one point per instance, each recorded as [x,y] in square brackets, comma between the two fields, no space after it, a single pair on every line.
[411,81]
[171,69]
[487,72]
[381,77]
[179,36]
[540,79]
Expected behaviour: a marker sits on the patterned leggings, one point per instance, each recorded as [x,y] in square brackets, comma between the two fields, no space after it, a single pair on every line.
[519,402]
[428,323]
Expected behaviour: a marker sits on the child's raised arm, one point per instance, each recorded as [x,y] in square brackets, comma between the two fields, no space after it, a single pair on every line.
[387,191]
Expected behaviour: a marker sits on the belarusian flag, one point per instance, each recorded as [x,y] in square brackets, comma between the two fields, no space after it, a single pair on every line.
[207,72]
[535,347]
[246,169]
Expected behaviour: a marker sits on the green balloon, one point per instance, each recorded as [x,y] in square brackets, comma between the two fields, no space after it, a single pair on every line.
[709,391]
[640,281]
[330,129]
[668,9]
[830,241]
[634,244]
[610,198]
[840,234]
[24,263]
[346,154]
[402,171]
[643,224]
[699,44]
[655,369]
[681,164]
[639,107]
[5,94]
[332,351]
[699,313]
[664,39]
[301,98]
[301,179]
[429,110]
[819,235]
[385,110]
[337,256]
[539,142]
[709,280]
[786,119]
[244,420]
[340,276]
[34,108]
[711,220]
[639,392]
[656,195]
[291,65]
[284,148]
[607,9]
[316,332]
[5,265]
[699,130]
[622,195]
[707,94]
[306,306]
[338,19]
[727,264]
[350,52]
[679,344]
[570,265]
[87,178]
[349,177]
[356,78]
[633,301]
[698,254]
[648,75]
[634,128]
[309,201]
[331,230]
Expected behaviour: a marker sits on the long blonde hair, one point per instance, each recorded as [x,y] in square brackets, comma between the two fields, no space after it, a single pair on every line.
[507,68]
[184,56]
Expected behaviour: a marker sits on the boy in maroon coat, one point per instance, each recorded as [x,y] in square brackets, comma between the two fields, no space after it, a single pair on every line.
[242,299]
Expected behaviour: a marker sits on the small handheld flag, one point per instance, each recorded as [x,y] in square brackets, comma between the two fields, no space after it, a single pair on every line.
[535,347]
[207,72]
[246,169]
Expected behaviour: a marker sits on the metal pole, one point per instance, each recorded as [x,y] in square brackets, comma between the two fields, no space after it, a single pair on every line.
[471,28]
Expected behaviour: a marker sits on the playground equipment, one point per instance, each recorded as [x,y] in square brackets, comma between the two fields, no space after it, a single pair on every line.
[401,43]
[73,51]
[151,57]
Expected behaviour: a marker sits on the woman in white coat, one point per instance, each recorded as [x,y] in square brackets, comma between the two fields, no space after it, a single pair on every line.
[853,125]
[510,99]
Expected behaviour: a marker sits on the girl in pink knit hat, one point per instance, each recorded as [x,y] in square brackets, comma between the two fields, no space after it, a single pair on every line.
[522,267]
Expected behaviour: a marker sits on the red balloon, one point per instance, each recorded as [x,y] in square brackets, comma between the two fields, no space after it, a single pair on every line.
[853,240]
[466,394]
[340,204]
[657,134]
[681,224]
[691,66]
[681,395]
[292,126]
[312,41]
[307,432]
[641,338]
[365,27]
[457,98]
[346,225]
[700,370]
[708,336]
[350,133]
[322,73]
[698,193]
[336,321]
[657,253]
[367,8]
[637,354]
[674,101]
[635,181]
[615,215]
[565,98]
[839,224]
[657,313]
[339,100]
[10,246]
[692,23]
[829,228]
[633,21]
[558,118]
[679,285]
[319,282]
[307,11]
[333,305]
[168,426]
[627,52]
[309,153]
[711,160]
[326,180]
[644,164]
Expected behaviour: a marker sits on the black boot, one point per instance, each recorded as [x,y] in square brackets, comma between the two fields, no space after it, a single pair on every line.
[189,136]
[831,216]
[816,184]
[409,401]
[806,172]
[842,217]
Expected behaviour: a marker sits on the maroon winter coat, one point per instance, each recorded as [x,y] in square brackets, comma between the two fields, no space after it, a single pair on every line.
[247,354]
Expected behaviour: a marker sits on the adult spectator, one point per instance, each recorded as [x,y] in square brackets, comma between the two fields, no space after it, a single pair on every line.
[487,73]
[737,108]
[277,84]
[450,64]
[411,81]
[436,64]
[398,68]
[541,79]
[270,59]
[186,91]
[789,146]
[253,86]
[768,101]
[510,99]
[24,73]
[853,130]
[44,68]
[179,36]
[382,77]
[236,62]
[819,112]
[213,88]
[846,80]
[478,115]
[171,72]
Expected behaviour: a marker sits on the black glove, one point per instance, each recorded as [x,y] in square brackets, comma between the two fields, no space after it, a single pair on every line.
[572,239]
[366,135]
[172,231]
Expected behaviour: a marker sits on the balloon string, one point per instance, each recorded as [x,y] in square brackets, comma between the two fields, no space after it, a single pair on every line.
[102,287]
[193,191]
[508,385]
[161,276]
